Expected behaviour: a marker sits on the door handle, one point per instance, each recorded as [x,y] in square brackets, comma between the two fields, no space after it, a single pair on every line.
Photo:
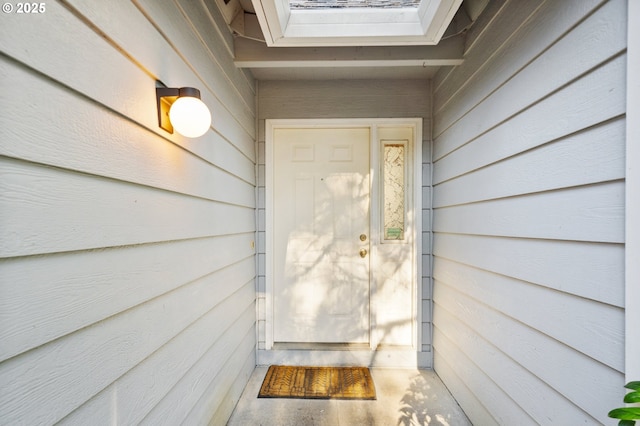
[363,253]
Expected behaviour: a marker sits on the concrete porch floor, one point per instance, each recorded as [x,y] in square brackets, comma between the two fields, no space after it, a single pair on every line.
[404,397]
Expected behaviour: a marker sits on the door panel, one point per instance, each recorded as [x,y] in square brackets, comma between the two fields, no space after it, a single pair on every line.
[321,208]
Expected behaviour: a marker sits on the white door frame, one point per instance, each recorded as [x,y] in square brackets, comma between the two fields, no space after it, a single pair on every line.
[414,215]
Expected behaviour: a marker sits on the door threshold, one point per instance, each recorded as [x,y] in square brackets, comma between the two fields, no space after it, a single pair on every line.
[304,346]
[346,355]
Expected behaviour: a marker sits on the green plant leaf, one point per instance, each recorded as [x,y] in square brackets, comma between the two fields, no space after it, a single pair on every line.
[627,413]
[632,397]
[627,423]
[633,386]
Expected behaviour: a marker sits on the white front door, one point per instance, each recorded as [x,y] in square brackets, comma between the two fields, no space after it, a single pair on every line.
[342,236]
[321,290]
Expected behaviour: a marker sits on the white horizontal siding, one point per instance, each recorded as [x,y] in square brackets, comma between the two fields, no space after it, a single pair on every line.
[595,98]
[121,213]
[127,268]
[350,99]
[168,366]
[515,392]
[529,168]
[448,366]
[549,263]
[544,39]
[120,151]
[591,213]
[70,291]
[503,293]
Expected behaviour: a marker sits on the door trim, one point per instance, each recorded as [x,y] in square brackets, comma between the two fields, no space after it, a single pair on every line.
[414,216]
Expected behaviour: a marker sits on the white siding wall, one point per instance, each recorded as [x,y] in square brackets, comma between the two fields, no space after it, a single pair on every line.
[529,147]
[348,99]
[127,266]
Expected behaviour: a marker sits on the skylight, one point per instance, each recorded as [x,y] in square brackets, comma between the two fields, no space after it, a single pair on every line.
[338,4]
[354,22]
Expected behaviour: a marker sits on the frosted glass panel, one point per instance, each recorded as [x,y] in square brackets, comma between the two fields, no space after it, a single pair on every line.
[394,191]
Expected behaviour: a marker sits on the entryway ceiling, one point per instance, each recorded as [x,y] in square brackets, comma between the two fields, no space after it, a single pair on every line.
[388,39]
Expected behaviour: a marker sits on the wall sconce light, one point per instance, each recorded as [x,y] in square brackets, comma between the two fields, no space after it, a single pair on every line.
[181,109]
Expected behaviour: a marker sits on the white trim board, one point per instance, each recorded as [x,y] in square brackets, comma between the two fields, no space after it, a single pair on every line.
[250,54]
[632,252]
[404,356]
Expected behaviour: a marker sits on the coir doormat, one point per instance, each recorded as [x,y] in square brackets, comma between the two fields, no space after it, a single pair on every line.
[318,383]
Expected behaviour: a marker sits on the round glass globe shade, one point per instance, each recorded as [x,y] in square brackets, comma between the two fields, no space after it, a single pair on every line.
[190,117]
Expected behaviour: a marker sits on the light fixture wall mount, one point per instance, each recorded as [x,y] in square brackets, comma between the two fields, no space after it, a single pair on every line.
[182,110]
